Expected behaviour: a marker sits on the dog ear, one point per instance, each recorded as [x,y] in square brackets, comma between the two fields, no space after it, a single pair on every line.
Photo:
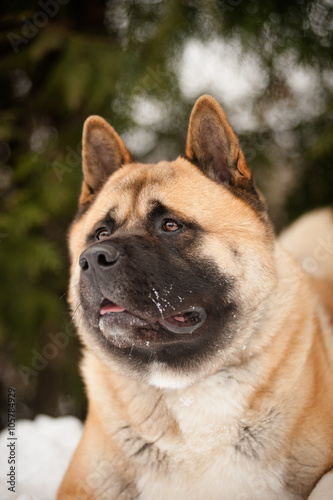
[213,146]
[103,152]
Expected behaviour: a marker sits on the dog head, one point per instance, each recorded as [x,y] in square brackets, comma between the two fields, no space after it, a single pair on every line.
[171,262]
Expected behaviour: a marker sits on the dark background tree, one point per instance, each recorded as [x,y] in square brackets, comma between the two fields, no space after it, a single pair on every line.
[62,60]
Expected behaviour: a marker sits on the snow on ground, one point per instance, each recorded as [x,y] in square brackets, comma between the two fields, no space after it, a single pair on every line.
[44,447]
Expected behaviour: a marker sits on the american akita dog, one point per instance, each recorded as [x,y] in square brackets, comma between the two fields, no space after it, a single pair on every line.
[208,352]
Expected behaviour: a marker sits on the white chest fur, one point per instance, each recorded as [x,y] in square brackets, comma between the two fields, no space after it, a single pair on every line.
[207,462]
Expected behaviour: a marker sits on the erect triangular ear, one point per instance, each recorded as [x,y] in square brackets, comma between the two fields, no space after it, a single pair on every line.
[103,152]
[213,145]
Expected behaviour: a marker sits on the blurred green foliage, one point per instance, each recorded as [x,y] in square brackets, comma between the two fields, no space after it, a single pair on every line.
[64,60]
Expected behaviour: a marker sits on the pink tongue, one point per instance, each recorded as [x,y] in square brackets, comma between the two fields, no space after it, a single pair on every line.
[179,318]
[111,308]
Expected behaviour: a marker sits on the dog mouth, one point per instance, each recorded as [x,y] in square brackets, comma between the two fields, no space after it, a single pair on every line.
[183,322]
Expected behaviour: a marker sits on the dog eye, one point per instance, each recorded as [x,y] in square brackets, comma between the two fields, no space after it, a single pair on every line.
[171,226]
[102,234]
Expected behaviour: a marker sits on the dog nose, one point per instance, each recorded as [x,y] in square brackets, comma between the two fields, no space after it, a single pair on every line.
[102,256]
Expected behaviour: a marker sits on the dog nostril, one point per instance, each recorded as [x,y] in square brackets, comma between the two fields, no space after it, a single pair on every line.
[98,257]
[107,259]
[83,263]
[101,259]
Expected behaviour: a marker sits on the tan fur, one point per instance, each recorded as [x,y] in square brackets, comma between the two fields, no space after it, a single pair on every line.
[310,241]
[255,420]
